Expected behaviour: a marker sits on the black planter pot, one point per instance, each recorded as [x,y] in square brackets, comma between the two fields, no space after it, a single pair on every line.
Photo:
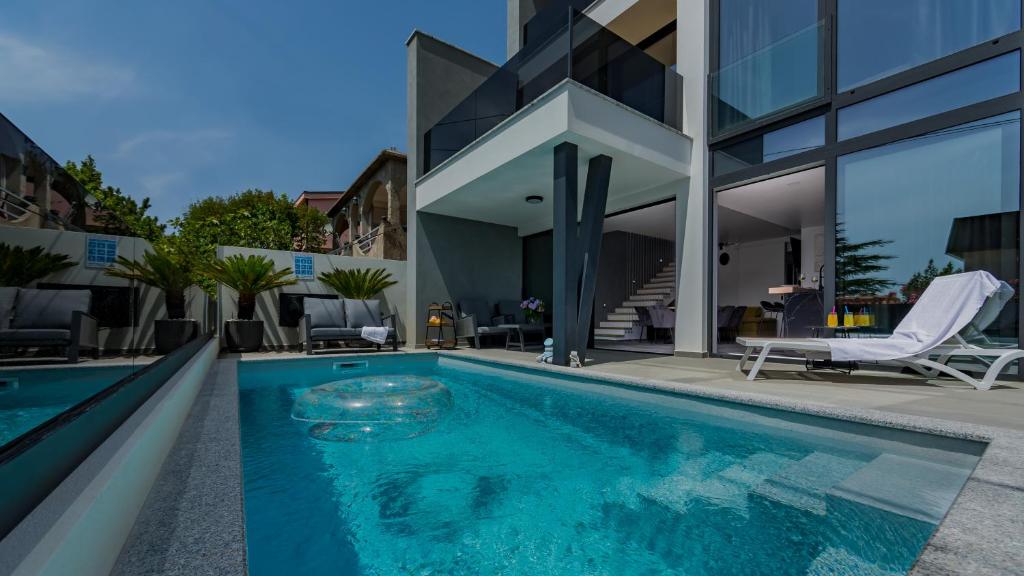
[172,334]
[244,335]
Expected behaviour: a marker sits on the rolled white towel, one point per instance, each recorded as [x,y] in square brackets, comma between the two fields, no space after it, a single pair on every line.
[375,334]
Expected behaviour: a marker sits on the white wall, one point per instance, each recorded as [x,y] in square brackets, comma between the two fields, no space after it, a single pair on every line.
[753,268]
[691,335]
[73,244]
[393,299]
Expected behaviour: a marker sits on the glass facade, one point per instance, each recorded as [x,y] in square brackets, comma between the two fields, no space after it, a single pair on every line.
[770,57]
[940,203]
[878,38]
[982,81]
[928,172]
[794,139]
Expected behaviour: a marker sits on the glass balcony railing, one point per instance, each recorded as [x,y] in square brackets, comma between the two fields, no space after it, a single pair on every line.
[781,75]
[581,50]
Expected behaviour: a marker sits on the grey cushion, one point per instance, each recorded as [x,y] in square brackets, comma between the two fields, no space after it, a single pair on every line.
[340,333]
[35,336]
[48,308]
[7,298]
[478,308]
[511,308]
[490,330]
[324,313]
[361,313]
[334,333]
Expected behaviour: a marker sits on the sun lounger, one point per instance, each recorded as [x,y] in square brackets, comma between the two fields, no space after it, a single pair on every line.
[931,329]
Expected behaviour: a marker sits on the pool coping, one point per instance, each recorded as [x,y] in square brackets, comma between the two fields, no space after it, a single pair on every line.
[982,533]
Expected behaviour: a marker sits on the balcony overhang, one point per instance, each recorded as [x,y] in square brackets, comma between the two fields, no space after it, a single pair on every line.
[490,179]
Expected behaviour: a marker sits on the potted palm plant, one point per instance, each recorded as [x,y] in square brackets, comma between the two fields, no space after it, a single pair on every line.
[358,283]
[164,271]
[248,276]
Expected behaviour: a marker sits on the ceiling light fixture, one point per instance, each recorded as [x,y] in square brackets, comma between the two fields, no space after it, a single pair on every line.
[534,199]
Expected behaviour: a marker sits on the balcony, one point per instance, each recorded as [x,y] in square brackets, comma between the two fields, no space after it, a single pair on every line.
[580,83]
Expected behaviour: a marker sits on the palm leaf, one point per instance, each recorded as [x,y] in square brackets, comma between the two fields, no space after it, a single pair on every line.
[249,275]
[162,270]
[159,269]
[20,267]
[358,283]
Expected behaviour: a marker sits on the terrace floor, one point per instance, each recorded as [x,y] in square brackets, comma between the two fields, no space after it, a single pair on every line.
[1002,406]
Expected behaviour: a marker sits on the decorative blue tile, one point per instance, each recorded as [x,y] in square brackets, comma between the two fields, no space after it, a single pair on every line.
[100,252]
[303,266]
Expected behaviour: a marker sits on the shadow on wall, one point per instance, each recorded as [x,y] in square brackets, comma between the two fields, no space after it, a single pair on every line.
[268,307]
[458,258]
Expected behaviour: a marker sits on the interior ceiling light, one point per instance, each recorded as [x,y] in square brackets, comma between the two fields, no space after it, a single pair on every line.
[534,199]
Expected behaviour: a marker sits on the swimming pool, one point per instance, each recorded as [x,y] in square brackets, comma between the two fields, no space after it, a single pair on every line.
[30,397]
[520,472]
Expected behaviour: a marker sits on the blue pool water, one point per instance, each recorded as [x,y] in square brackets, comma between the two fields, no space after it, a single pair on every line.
[519,473]
[30,397]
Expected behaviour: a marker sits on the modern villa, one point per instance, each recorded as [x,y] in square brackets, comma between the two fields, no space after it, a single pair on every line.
[781,142]
[695,287]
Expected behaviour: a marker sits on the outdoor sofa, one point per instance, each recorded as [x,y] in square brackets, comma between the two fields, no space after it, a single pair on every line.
[32,318]
[926,340]
[342,320]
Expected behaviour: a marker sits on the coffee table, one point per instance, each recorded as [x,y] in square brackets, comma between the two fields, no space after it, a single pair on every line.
[519,331]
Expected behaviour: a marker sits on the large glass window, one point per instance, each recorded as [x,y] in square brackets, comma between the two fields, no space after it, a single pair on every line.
[878,38]
[769,59]
[989,79]
[799,137]
[936,204]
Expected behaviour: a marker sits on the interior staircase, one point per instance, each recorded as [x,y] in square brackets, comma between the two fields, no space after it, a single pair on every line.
[622,322]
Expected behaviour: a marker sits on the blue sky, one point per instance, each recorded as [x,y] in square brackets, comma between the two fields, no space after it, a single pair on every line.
[186,99]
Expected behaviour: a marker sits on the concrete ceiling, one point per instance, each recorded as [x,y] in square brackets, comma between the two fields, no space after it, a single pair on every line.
[490,180]
[772,208]
[656,221]
[499,197]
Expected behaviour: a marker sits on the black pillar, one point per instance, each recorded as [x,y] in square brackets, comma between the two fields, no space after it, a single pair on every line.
[595,200]
[566,268]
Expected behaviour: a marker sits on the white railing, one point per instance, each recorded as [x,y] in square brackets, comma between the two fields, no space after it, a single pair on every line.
[13,206]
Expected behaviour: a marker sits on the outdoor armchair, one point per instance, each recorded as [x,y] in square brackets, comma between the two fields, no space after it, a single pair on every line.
[477,320]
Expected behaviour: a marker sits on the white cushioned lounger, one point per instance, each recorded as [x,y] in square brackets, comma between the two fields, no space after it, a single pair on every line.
[932,328]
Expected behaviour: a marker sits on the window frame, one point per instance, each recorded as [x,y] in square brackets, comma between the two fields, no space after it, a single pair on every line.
[714,63]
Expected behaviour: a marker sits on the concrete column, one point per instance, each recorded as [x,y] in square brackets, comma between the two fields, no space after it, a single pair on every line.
[566,269]
[353,219]
[694,274]
[394,203]
[595,201]
[365,214]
